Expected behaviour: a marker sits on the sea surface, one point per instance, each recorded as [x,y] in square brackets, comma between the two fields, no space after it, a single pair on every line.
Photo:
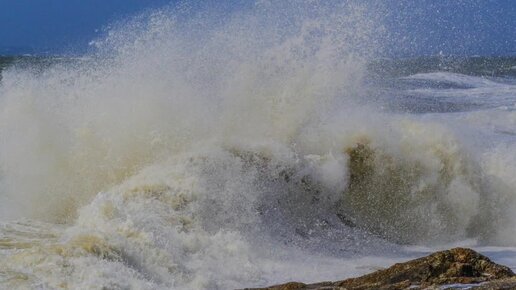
[263,148]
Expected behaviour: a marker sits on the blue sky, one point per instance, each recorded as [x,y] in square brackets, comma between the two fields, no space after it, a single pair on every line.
[60,25]
[417,27]
[472,27]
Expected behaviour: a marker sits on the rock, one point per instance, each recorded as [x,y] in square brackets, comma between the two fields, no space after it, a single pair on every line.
[455,266]
[509,283]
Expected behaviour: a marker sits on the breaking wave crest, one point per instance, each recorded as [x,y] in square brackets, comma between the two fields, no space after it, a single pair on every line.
[183,145]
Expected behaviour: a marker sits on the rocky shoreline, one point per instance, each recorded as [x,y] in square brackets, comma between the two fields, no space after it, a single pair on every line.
[458,268]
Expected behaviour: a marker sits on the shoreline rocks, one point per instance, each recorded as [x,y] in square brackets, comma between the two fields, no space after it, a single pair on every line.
[457,268]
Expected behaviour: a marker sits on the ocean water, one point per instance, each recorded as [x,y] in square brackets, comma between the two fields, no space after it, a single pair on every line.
[213,151]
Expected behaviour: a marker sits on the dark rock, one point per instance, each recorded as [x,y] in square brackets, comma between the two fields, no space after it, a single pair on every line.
[455,266]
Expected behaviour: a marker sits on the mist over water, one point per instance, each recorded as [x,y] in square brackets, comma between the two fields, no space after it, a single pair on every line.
[202,149]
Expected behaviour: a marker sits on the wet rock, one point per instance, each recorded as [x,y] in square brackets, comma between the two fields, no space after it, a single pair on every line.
[455,267]
[508,284]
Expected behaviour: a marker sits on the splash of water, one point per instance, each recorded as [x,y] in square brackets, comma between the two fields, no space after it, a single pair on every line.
[183,145]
